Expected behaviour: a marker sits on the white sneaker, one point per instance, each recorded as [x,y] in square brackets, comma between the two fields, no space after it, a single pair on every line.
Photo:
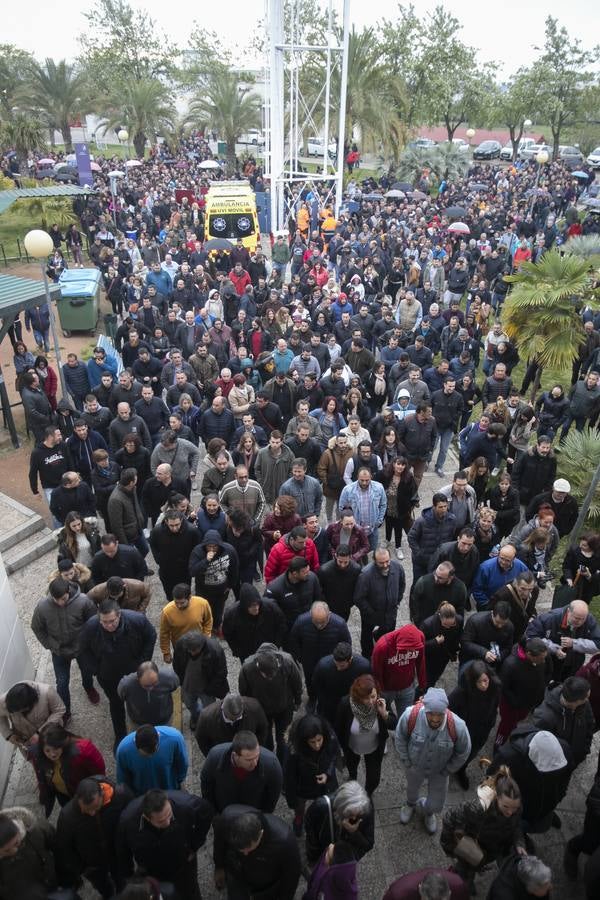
[406,814]
[399,553]
[429,819]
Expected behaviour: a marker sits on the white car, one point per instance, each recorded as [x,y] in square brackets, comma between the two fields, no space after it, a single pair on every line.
[507,151]
[532,151]
[252,136]
[461,144]
[315,147]
[593,159]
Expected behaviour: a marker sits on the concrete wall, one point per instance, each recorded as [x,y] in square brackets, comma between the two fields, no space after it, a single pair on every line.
[15,661]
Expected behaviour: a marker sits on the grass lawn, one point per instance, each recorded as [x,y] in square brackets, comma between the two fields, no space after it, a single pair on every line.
[14,225]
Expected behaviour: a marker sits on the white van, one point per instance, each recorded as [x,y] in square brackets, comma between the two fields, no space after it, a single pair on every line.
[252,136]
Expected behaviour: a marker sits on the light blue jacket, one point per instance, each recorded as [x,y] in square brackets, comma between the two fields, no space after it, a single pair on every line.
[350,496]
[431,750]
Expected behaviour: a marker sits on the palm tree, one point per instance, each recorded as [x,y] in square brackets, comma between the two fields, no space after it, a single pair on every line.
[228,108]
[144,107]
[46,211]
[375,97]
[56,90]
[23,134]
[585,246]
[412,163]
[540,313]
[579,457]
[448,162]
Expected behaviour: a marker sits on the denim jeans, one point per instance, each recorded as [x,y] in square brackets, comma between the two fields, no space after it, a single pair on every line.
[62,671]
[141,544]
[437,788]
[42,339]
[48,496]
[401,699]
[445,441]
[195,703]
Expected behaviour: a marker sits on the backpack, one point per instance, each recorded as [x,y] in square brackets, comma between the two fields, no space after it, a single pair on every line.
[412,721]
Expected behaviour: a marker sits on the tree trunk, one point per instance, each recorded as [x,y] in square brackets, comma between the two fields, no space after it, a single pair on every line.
[450,129]
[65,130]
[230,157]
[537,381]
[555,143]
[139,142]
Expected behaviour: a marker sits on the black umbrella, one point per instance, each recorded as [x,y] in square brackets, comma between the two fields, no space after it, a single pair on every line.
[402,186]
[478,186]
[218,244]
[456,212]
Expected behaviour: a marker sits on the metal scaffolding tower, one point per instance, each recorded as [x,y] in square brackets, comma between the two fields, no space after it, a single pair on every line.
[291,117]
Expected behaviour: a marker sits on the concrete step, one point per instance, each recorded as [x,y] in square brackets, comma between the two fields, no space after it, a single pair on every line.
[20,532]
[28,550]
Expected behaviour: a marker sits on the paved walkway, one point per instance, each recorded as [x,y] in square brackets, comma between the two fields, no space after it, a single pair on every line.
[397,849]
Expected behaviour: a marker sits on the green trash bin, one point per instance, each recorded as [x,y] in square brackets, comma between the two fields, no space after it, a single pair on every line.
[79,298]
[221,149]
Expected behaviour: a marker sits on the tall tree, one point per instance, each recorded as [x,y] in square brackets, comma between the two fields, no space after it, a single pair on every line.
[56,90]
[227,107]
[144,106]
[564,75]
[15,65]
[402,42]
[514,103]
[121,44]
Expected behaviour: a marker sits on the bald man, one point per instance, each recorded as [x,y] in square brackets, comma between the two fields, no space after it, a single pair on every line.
[570,633]
[156,490]
[313,636]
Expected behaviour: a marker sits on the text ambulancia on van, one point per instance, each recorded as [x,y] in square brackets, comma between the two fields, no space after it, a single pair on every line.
[230,213]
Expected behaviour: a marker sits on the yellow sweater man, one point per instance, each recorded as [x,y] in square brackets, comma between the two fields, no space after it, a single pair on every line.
[184,613]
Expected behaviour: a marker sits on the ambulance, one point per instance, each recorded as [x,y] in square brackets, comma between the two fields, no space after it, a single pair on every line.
[230,213]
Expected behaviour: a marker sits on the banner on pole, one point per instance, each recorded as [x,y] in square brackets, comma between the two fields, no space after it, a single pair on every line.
[84,166]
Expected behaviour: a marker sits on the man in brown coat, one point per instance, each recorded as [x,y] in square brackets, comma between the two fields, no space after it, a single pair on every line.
[128,592]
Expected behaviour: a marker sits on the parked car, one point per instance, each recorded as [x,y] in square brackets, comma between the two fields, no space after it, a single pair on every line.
[461,144]
[487,150]
[421,143]
[252,136]
[593,159]
[507,151]
[315,147]
[572,157]
[532,151]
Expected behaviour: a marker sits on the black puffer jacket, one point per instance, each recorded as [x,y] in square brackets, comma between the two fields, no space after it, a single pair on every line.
[523,684]
[278,694]
[428,533]
[532,474]
[575,726]
[172,551]
[203,674]
[302,766]
[478,709]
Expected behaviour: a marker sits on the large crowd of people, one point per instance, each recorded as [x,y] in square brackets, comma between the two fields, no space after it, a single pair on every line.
[264,446]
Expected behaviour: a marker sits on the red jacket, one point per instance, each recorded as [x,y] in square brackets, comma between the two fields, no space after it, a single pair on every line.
[397,657]
[79,760]
[281,555]
[239,281]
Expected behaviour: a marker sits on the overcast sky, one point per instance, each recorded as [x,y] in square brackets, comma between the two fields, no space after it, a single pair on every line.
[505,32]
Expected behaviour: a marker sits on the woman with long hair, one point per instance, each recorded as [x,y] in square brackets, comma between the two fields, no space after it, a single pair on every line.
[503,498]
[488,829]
[478,475]
[240,397]
[330,420]
[475,699]
[355,405]
[78,540]
[279,522]
[389,446]
[246,452]
[581,566]
[362,724]
[133,455]
[61,760]
[402,494]
[309,769]
[23,359]
[376,386]
[471,395]
[56,265]
[48,379]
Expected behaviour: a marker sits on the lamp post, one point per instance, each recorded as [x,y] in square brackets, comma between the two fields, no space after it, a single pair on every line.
[470,132]
[39,245]
[123,136]
[541,159]
[527,124]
